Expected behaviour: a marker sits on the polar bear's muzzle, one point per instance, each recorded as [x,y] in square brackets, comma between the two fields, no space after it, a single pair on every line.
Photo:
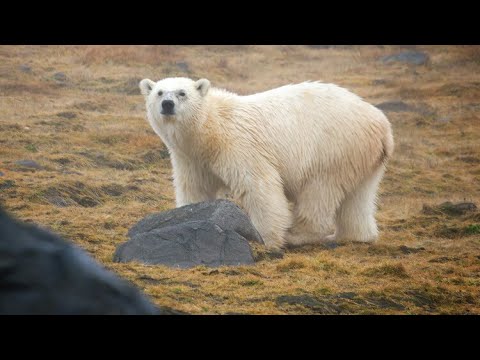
[168,107]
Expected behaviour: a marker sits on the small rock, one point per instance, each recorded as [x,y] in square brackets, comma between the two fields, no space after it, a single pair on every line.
[28,164]
[408,57]
[2,174]
[182,65]
[60,77]
[25,69]
[395,106]
[67,115]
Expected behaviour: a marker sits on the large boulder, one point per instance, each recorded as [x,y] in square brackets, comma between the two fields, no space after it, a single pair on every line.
[210,233]
[42,274]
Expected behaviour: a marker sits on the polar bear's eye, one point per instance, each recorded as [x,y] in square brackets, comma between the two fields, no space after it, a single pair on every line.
[160,93]
[181,93]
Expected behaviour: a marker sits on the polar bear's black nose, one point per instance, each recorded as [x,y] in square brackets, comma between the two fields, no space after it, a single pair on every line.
[167,106]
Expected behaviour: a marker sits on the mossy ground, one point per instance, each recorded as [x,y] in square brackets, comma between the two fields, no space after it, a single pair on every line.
[104,169]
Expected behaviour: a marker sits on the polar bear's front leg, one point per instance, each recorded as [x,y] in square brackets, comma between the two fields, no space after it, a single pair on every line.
[260,191]
[192,182]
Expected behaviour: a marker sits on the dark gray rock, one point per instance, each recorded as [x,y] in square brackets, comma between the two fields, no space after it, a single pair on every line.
[210,233]
[408,57]
[43,274]
[187,245]
[2,174]
[60,77]
[25,69]
[28,164]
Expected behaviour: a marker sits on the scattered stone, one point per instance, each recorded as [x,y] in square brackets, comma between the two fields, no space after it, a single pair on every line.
[182,65]
[209,233]
[67,115]
[25,69]
[60,77]
[408,57]
[28,164]
[2,174]
[395,106]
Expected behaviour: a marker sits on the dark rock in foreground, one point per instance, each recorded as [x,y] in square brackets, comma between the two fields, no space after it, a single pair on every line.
[209,233]
[42,274]
[408,57]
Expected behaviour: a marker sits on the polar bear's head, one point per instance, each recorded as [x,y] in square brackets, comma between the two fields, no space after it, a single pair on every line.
[174,98]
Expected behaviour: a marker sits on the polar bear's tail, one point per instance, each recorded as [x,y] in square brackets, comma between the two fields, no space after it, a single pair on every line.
[388,145]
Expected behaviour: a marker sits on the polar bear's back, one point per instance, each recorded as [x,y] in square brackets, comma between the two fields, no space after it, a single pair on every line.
[320,128]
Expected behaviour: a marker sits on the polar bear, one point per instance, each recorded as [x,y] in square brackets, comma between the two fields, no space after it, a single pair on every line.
[304,161]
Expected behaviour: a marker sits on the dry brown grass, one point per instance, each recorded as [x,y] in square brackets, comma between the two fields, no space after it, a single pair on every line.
[104,170]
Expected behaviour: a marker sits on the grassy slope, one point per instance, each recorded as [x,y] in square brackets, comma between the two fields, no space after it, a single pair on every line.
[103,172]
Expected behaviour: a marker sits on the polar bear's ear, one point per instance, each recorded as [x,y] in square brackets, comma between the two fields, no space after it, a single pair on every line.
[146,85]
[202,86]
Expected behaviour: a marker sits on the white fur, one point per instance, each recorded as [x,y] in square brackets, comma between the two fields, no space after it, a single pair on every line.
[314,146]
